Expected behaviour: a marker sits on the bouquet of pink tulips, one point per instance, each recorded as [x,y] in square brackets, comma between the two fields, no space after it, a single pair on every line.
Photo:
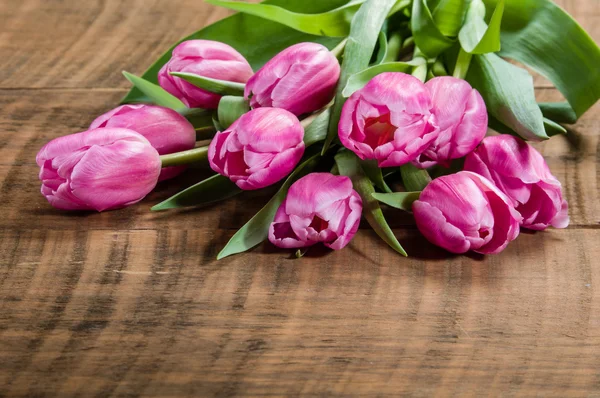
[345,106]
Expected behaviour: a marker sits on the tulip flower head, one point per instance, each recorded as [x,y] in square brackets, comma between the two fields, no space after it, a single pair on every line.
[521,172]
[205,58]
[259,149]
[100,169]
[319,207]
[465,211]
[390,120]
[167,130]
[300,79]
[462,116]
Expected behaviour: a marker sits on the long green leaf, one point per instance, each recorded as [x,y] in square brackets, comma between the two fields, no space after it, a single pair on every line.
[154,92]
[230,109]
[559,111]
[331,23]
[216,86]
[551,127]
[448,16]
[317,129]
[375,174]
[398,200]
[366,25]
[213,189]
[349,165]
[476,36]
[257,229]
[542,36]
[509,95]
[428,37]
[257,39]
[360,79]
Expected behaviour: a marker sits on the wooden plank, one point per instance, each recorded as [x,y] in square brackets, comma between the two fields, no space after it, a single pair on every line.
[146,312]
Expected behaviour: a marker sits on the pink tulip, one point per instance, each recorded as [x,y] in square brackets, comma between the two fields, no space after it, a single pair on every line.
[462,116]
[258,149]
[319,207]
[523,175]
[390,119]
[465,211]
[167,130]
[300,79]
[205,58]
[101,169]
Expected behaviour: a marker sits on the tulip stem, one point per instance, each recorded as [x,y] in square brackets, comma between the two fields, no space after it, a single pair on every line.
[414,179]
[394,47]
[463,63]
[195,155]
[420,71]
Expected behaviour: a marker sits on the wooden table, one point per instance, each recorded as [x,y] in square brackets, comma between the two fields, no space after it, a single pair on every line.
[130,303]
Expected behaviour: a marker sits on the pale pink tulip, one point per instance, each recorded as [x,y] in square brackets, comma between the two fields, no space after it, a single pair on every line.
[100,169]
[259,149]
[462,116]
[465,211]
[300,79]
[167,130]
[319,207]
[522,174]
[390,120]
[205,58]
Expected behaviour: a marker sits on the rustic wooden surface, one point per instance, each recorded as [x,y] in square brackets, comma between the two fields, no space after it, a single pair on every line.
[131,303]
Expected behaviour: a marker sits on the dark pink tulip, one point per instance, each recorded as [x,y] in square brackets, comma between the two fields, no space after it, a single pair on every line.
[465,211]
[522,173]
[100,169]
[205,58]
[258,149]
[319,207]
[167,130]
[300,79]
[390,120]
[462,116]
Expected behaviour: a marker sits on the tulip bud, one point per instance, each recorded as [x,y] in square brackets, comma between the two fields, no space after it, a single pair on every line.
[167,130]
[319,207]
[205,58]
[465,211]
[259,149]
[300,79]
[100,169]
[522,174]
[390,120]
[462,116]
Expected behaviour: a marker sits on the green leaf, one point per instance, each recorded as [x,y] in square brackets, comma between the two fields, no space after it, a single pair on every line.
[448,16]
[317,128]
[509,95]
[542,36]
[213,189]
[216,86]
[394,45]
[230,109]
[199,118]
[360,79]
[366,25]
[476,36]
[331,23]
[413,178]
[257,229]
[428,37]
[257,39]
[559,111]
[398,200]
[154,92]
[374,173]
[349,165]
[550,127]
[382,44]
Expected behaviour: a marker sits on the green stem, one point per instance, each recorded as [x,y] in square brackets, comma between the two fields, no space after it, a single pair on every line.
[195,155]
[463,63]
[420,71]
[338,50]
[414,179]
[394,47]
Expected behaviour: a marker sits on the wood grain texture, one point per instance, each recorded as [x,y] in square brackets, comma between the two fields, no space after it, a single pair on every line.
[133,303]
